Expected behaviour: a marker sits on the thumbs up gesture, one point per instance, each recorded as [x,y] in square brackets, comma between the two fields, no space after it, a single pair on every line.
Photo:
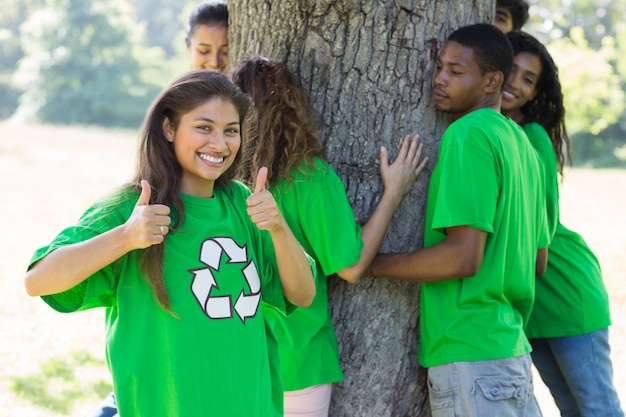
[262,207]
[148,224]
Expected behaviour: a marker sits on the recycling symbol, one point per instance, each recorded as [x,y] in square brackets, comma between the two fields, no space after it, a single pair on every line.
[203,284]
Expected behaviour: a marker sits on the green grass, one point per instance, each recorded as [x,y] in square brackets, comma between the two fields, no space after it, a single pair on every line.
[60,383]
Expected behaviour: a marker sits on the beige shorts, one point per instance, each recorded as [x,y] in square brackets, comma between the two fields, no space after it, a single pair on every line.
[308,402]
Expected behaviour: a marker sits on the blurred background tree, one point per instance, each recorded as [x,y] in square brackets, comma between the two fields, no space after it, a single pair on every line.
[163,25]
[88,62]
[14,13]
[587,39]
[83,64]
[102,62]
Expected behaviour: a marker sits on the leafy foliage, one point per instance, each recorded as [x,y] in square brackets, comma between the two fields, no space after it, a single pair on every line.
[83,65]
[162,21]
[587,39]
[592,90]
[14,12]
[96,62]
[554,19]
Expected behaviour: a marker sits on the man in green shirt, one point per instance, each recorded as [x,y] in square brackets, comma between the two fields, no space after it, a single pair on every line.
[485,238]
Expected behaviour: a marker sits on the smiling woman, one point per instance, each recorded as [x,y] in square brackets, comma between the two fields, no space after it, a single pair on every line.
[206,39]
[568,327]
[144,253]
[206,142]
[521,86]
[207,36]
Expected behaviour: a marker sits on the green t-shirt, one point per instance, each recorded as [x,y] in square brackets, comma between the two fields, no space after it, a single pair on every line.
[212,359]
[570,298]
[487,177]
[317,211]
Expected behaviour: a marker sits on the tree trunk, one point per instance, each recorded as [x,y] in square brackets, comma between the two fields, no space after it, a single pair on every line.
[369,67]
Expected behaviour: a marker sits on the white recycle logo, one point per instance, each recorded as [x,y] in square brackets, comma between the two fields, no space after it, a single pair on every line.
[220,307]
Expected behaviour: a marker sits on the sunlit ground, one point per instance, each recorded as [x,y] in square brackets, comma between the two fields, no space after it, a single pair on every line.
[48,176]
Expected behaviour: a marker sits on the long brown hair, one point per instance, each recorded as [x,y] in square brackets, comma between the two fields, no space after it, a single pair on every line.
[283,131]
[157,163]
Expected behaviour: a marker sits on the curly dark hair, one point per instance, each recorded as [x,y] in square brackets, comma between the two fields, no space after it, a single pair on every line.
[157,162]
[282,133]
[546,108]
[518,9]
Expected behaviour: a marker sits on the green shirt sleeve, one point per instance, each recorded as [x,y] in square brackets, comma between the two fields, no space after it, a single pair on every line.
[540,140]
[99,289]
[468,185]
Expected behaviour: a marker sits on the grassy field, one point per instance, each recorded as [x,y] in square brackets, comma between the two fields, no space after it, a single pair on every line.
[52,364]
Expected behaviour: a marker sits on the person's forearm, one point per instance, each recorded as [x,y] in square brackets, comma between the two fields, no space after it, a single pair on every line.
[294,268]
[433,264]
[69,265]
[372,235]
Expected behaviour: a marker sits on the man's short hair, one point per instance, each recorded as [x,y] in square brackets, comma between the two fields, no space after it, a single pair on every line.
[492,49]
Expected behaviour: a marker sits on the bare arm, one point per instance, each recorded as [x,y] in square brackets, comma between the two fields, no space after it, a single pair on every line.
[542,262]
[398,179]
[294,269]
[68,266]
[460,255]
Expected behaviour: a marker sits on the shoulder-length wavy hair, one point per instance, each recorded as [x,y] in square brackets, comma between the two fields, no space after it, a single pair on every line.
[547,107]
[157,163]
[283,132]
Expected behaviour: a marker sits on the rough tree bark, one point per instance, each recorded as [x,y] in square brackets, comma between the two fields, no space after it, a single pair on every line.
[369,67]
